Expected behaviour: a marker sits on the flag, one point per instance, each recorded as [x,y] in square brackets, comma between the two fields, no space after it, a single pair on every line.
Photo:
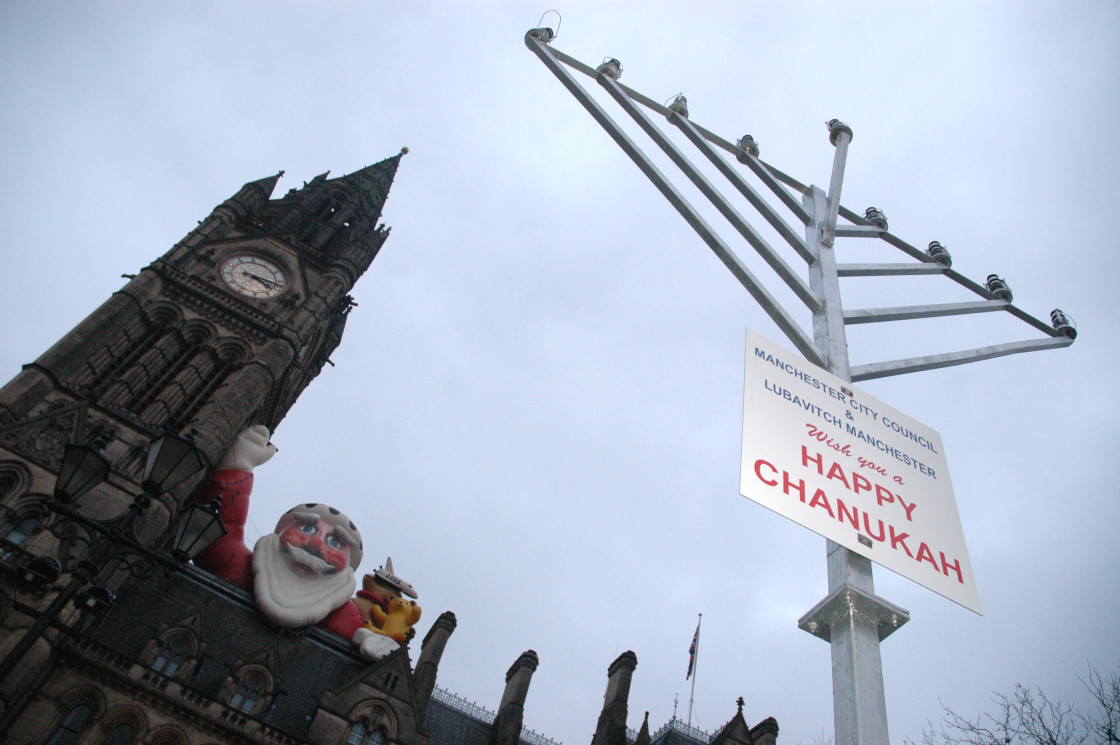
[692,648]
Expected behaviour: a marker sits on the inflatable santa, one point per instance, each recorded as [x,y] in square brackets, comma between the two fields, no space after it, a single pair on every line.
[301,574]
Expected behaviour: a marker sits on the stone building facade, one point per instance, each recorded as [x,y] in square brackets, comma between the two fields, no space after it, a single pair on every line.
[100,646]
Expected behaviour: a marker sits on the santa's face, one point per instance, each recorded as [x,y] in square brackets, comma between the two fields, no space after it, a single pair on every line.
[314,548]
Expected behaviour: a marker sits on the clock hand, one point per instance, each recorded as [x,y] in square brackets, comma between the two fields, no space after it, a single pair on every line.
[261,279]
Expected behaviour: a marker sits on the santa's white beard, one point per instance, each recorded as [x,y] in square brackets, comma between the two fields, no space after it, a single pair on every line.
[292,600]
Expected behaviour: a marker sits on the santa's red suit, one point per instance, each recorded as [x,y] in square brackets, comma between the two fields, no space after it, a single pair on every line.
[229,557]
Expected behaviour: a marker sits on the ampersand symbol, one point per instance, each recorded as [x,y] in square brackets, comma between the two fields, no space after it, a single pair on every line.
[848,413]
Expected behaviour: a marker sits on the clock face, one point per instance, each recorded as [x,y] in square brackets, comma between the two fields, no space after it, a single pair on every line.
[253,276]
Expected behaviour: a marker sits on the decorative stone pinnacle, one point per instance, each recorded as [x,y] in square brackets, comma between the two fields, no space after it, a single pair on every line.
[528,660]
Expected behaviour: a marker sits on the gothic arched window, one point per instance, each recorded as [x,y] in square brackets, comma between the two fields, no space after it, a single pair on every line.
[171,657]
[169,735]
[20,518]
[23,529]
[248,692]
[361,733]
[124,350]
[72,726]
[122,734]
[208,370]
[16,528]
[9,480]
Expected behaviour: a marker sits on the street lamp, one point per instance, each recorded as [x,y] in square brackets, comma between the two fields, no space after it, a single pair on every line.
[171,460]
[83,467]
[40,571]
[199,526]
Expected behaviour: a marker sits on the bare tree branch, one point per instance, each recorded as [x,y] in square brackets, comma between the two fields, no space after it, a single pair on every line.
[1104,722]
[1029,717]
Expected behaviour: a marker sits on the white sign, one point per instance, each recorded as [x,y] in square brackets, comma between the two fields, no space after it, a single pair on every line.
[852,469]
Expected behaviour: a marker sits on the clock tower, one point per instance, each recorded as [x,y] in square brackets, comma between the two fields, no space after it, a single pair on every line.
[222,332]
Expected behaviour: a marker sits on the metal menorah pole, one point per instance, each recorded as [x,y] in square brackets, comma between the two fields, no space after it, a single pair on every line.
[851,618]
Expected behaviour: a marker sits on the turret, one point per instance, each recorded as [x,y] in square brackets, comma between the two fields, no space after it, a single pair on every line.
[765,732]
[511,712]
[611,729]
[251,196]
[249,200]
[643,733]
[431,650]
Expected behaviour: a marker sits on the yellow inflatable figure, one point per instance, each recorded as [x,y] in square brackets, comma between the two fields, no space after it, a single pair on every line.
[397,623]
[384,610]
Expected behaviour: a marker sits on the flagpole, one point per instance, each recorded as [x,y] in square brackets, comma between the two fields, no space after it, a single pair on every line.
[695,666]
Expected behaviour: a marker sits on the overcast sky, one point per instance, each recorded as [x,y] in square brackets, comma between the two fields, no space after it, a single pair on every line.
[537,407]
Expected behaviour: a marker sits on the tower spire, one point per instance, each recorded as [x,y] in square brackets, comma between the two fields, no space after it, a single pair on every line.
[267,184]
[371,185]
